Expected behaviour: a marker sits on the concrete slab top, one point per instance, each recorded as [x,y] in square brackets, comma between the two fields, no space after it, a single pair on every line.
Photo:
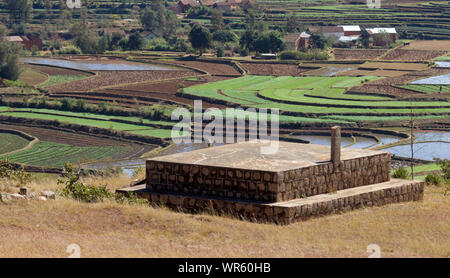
[247,155]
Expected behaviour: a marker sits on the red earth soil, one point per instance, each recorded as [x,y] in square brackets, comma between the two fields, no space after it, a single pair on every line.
[58,71]
[112,78]
[413,55]
[209,67]
[273,69]
[144,93]
[355,54]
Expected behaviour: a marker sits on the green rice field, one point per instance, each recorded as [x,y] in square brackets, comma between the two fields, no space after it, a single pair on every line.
[428,89]
[94,120]
[323,96]
[49,154]
[10,142]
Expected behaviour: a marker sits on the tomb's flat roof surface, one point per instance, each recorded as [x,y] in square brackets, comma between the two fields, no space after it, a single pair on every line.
[247,155]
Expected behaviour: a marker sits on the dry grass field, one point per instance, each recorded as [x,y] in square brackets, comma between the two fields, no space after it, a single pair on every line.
[429,45]
[109,229]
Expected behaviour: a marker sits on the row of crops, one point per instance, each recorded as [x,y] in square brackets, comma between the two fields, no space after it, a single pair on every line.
[10,142]
[132,125]
[428,88]
[319,97]
[429,19]
[49,154]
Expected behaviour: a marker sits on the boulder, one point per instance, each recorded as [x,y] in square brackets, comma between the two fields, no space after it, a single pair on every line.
[48,194]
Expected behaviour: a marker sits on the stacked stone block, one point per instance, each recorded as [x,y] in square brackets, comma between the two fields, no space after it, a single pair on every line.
[267,186]
[282,214]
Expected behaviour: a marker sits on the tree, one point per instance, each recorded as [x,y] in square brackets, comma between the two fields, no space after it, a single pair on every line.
[88,42]
[318,41]
[135,41]
[9,60]
[382,38]
[250,20]
[247,40]
[11,69]
[158,20]
[224,36]
[365,38]
[292,24]
[217,19]
[19,10]
[269,42]
[200,38]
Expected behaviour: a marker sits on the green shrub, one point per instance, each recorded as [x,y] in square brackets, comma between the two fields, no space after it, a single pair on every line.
[432,179]
[10,172]
[401,173]
[130,198]
[445,167]
[70,50]
[18,83]
[77,190]
[138,172]
[219,52]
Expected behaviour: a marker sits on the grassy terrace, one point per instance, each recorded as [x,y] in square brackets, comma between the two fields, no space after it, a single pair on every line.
[94,120]
[323,96]
[428,89]
[10,142]
[51,154]
[58,79]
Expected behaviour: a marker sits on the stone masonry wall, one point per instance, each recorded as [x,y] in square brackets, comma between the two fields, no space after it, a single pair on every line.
[326,178]
[408,191]
[266,186]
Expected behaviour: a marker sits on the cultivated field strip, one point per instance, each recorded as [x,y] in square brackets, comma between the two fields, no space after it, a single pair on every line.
[307,96]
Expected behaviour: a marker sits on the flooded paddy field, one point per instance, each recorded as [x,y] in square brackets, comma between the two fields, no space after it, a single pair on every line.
[93,65]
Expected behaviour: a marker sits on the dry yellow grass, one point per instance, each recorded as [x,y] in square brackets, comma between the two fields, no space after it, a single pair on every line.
[45,229]
[429,45]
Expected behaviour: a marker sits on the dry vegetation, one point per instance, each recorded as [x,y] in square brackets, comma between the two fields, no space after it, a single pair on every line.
[394,66]
[273,69]
[429,45]
[212,68]
[32,77]
[357,54]
[387,73]
[109,229]
[58,71]
[412,55]
[112,78]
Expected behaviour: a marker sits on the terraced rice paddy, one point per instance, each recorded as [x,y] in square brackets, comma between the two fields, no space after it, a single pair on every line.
[58,79]
[147,127]
[357,54]
[93,65]
[57,146]
[428,89]
[319,96]
[11,142]
[435,80]
[49,154]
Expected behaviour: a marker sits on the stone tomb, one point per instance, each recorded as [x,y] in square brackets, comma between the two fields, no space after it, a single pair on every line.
[297,182]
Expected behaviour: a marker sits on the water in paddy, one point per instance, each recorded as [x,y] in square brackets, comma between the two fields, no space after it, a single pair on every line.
[443,64]
[129,166]
[428,145]
[427,151]
[434,80]
[93,66]
[361,142]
